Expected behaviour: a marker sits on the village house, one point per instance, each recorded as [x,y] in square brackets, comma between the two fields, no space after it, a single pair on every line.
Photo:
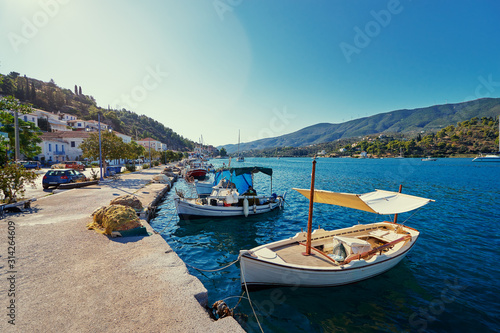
[150,142]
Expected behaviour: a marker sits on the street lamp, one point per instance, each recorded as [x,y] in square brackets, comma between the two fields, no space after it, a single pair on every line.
[150,164]
[16,134]
[100,151]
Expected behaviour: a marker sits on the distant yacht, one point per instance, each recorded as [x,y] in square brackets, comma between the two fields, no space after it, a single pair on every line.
[491,157]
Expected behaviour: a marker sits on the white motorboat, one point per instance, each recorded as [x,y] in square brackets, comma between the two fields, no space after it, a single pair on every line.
[338,257]
[490,157]
[429,159]
[232,196]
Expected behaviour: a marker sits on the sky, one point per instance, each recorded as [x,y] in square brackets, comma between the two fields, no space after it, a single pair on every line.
[214,68]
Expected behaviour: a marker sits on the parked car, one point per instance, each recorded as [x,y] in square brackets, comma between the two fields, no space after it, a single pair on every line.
[30,164]
[55,177]
[75,165]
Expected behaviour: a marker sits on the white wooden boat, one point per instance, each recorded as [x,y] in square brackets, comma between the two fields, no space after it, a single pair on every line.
[338,257]
[429,159]
[229,198]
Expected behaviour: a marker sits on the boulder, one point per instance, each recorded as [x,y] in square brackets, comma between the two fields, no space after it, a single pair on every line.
[127,200]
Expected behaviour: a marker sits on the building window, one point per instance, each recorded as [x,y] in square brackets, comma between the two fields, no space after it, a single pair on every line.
[79,124]
[25,118]
[73,144]
[57,148]
[50,146]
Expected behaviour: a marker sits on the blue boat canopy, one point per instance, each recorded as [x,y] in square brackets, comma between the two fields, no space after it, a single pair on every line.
[241,177]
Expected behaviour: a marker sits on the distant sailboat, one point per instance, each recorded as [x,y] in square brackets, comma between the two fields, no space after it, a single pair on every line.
[491,157]
[239,158]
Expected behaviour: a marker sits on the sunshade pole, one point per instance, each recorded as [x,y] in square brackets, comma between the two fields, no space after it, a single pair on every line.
[396,215]
[309,220]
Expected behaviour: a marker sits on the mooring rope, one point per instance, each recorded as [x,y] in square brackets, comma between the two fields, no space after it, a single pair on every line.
[162,230]
[250,301]
[214,270]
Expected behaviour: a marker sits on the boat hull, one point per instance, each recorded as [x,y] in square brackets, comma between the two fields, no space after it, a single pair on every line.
[203,188]
[491,158]
[191,210]
[263,269]
[199,174]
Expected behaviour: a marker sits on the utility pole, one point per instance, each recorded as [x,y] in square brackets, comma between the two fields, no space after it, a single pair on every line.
[16,131]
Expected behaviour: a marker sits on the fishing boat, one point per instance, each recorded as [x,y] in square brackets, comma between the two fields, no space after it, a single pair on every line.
[429,159]
[196,170]
[232,196]
[331,258]
[491,157]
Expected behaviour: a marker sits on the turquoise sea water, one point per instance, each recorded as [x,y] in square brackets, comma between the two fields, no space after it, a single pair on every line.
[448,283]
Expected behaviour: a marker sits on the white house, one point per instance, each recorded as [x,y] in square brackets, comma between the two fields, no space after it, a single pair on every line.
[54,120]
[150,142]
[62,146]
[67,117]
[31,117]
[124,137]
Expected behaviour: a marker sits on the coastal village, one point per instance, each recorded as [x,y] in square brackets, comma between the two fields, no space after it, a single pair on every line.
[249,166]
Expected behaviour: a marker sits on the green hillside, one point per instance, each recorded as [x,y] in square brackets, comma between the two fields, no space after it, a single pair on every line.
[409,122]
[50,97]
[467,138]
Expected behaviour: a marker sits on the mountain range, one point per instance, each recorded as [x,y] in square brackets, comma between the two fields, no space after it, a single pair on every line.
[411,122]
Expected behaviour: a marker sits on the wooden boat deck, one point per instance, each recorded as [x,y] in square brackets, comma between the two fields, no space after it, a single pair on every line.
[292,254]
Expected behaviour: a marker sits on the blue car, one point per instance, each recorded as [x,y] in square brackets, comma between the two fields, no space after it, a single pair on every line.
[55,177]
[31,165]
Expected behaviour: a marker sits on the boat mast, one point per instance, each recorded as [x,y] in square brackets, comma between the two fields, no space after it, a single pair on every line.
[396,215]
[309,220]
[238,143]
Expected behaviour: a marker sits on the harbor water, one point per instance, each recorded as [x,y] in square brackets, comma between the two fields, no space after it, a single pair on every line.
[448,283]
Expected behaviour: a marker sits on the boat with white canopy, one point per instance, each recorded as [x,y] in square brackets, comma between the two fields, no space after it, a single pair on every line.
[322,258]
[232,196]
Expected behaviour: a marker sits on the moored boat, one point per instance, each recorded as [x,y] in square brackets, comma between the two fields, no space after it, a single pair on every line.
[332,258]
[490,157]
[232,196]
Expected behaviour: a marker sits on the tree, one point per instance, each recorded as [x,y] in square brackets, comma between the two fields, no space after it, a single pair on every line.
[76,90]
[79,90]
[112,147]
[33,92]
[223,152]
[13,181]
[28,133]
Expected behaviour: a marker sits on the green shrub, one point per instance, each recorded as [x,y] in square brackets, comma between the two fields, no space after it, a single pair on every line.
[145,166]
[156,163]
[130,167]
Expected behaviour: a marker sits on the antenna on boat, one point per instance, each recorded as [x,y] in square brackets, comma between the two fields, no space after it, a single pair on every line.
[309,220]
[396,215]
